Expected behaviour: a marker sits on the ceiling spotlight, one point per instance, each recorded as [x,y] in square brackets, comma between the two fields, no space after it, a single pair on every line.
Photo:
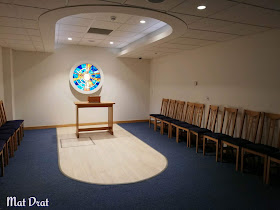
[201,7]
[142,21]
[111,42]
[69,38]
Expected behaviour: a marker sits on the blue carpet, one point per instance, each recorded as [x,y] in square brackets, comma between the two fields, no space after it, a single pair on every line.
[191,181]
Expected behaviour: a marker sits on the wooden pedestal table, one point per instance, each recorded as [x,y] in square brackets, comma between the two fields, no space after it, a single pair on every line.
[90,105]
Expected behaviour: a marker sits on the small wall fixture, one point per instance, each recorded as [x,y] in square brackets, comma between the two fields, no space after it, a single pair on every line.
[142,21]
[111,42]
[69,38]
[201,7]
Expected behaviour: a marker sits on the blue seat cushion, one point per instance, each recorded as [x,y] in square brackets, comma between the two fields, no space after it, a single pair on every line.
[7,131]
[11,126]
[238,141]
[15,122]
[218,136]
[187,125]
[200,130]
[261,148]
[5,137]
[2,144]
[4,128]
[155,115]
[276,155]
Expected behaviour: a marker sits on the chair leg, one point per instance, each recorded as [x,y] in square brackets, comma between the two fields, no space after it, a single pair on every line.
[237,159]
[203,145]
[221,151]
[267,171]
[161,128]
[177,135]
[171,129]
[242,159]
[155,125]
[2,163]
[196,149]
[18,136]
[6,155]
[264,168]
[217,151]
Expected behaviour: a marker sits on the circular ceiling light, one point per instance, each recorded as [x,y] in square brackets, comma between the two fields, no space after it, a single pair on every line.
[142,21]
[111,42]
[201,7]
[69,38]
[155,1]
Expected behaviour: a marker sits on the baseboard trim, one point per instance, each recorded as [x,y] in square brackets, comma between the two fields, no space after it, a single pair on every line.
[70,125]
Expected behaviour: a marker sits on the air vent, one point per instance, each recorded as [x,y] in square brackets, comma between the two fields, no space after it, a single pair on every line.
[99,31]
[155,1]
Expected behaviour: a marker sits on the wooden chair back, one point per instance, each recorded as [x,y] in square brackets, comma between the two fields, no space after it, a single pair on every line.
[3,118]
[164,106]
[249,125]
[212,118]
[179,110]
[198,114]
[228,121]
[270,130]
[189,113]
[171,108]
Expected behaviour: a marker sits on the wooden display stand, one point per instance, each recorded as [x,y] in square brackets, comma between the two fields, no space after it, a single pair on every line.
[86,104]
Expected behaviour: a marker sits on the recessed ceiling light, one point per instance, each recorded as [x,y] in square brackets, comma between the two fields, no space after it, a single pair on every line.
[201,7]
[69,38]
[111,42]
[142,21]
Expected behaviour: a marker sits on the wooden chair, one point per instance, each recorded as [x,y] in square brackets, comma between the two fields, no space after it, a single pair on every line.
[195,121]
[269,141]
[163,112]
[248,132]
[177,117]
[18,125]
[170,113]
[226,129]
[209,125]
[186,118]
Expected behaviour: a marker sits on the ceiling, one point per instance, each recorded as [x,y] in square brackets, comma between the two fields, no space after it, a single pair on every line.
[126,29]
[221,21]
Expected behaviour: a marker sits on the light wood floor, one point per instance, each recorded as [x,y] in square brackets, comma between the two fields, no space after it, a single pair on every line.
[101,158]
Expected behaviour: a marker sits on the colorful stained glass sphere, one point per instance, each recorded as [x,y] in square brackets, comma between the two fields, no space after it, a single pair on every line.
[86,78]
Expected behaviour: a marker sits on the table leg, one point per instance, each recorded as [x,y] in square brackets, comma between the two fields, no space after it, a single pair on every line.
[110,119]
[77,121]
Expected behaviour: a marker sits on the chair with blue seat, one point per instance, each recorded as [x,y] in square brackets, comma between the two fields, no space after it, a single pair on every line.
[187,119]
[170,114]
[163,112]
[17,125]
[193,119]
[227,127]
[209,125]
[269,142]
[179,116]
[249,126]
[9,138]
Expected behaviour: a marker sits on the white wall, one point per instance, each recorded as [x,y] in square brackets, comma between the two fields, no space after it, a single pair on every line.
[44,96]
[1,77]
[242,73]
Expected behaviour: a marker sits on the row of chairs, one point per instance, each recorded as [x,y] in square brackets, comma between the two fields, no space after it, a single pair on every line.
[11,135]
[259,133]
